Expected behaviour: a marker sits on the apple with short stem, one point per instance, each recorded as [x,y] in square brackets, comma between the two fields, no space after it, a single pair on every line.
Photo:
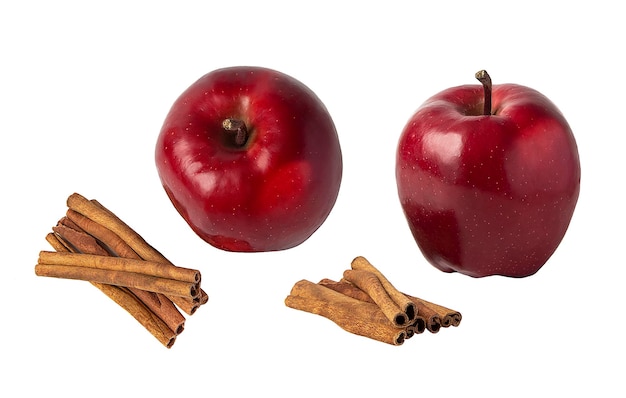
[251,159]
[488,178]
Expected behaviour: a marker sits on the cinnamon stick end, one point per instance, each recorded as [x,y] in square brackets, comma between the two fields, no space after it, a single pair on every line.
[410,311]
[434,325]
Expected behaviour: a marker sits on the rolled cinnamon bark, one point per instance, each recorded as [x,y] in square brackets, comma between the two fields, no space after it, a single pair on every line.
[447,316]
[155,325]
[406,305]
[79,240]
[431,318]
[426,318]
[96,212]
[162,307]
[129,301]
[106,262]
[101,215]
[103,234]
[370,284]
[417,326]
[118,278]
[355,316]
[83,242]
[346,288]
[122,249]
[366,284]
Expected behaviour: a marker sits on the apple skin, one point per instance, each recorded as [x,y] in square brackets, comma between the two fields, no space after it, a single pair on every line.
[488,194]
[271,193]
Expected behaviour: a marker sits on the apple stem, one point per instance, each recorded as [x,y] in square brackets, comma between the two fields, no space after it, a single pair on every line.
[485,79]
[239,128]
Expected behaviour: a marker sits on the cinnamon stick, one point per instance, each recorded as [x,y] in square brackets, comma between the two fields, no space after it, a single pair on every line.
[99,214]
[370,284]
[83,242]
[127,300]
[426,317]
[119,278]
[56,243]
[346,288]
[430,316]
[406,305]
[355,316]
[417,326]
[365,284]
[105,262]
[103,234]
[191,305]
[96,212]
[447,316]
[122,249]
[79,240]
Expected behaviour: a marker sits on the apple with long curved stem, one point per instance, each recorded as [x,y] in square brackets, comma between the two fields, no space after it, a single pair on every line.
[250,158]
[488,178]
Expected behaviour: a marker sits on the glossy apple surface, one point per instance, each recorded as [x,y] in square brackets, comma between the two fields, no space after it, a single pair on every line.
[251,159]
[488,192]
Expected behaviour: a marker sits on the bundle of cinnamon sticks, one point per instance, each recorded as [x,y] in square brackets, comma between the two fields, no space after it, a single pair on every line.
[92,244]
[365,303]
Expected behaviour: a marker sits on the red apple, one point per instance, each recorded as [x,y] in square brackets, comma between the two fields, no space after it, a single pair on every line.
[488,179]
[251,159]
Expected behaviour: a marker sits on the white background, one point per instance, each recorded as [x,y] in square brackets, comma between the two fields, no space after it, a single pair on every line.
[84,89]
